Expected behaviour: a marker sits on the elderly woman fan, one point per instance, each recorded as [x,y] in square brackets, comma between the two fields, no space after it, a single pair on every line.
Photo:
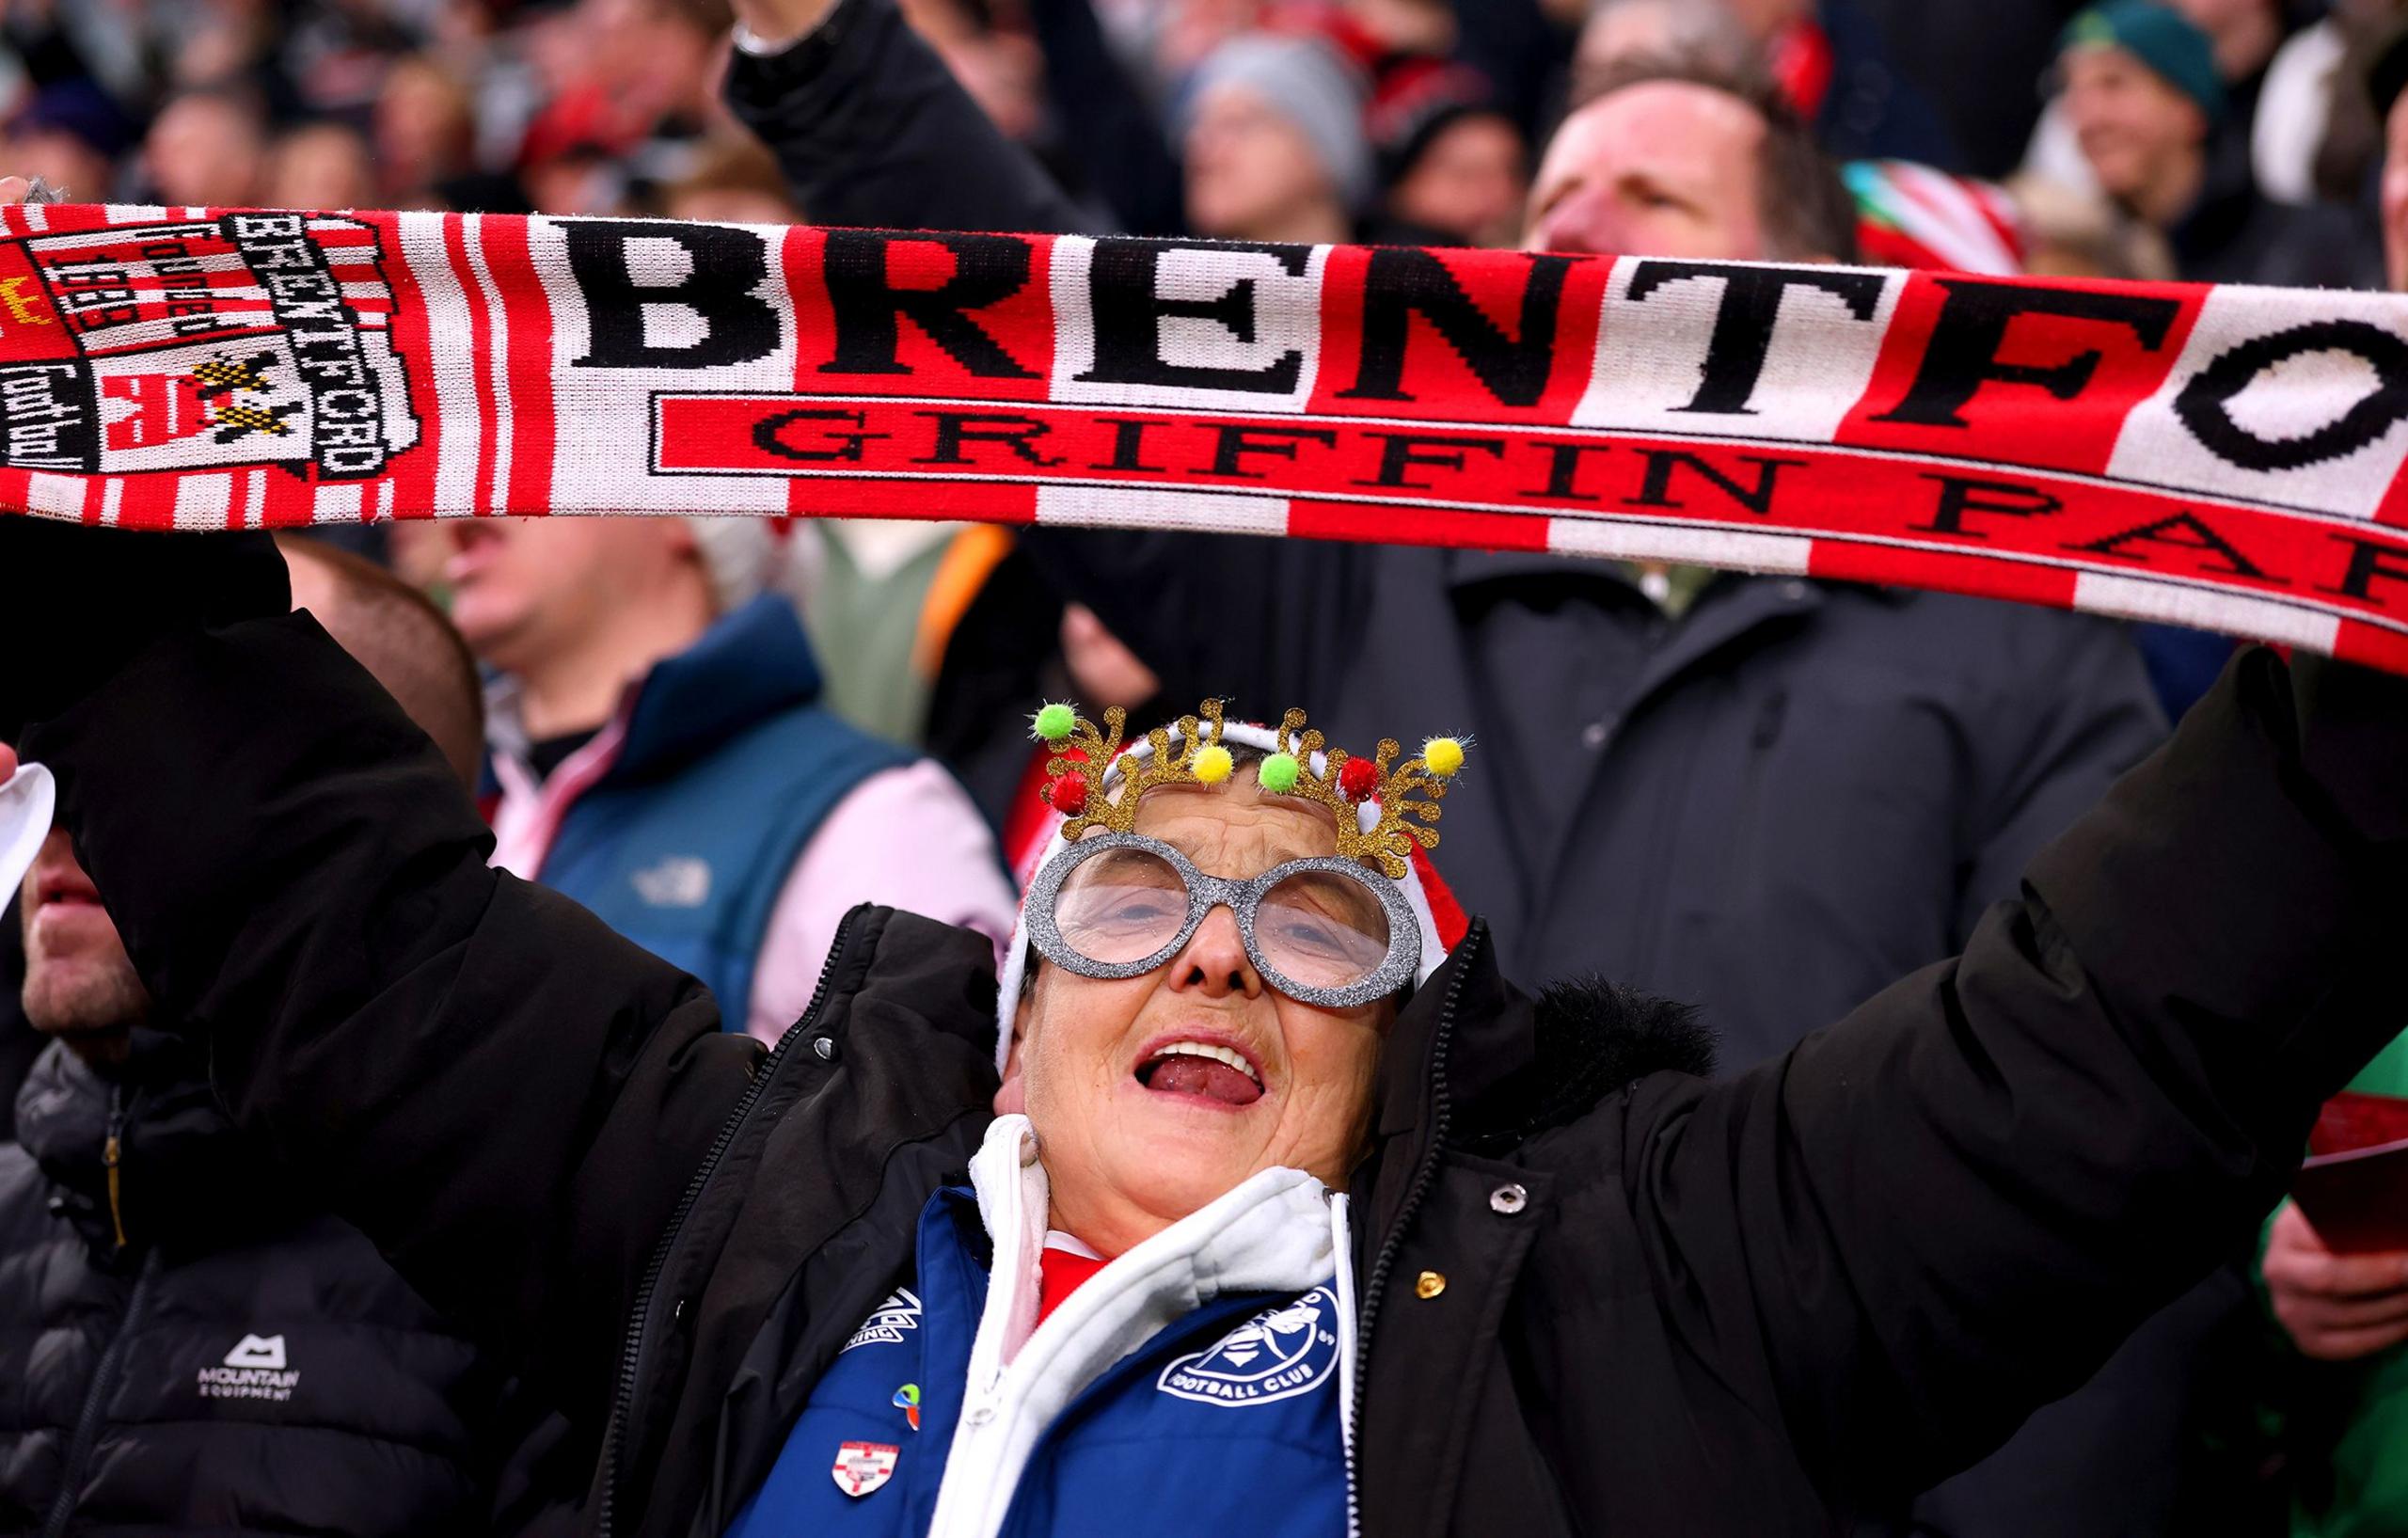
[1288,1212]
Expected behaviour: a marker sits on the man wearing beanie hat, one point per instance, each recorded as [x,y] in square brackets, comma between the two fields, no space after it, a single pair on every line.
[1271,132]
[660,754]
[1455,166]
[2145,101]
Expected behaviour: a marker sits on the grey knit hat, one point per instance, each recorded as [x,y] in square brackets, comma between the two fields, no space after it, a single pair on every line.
[739,556]
[1307,82]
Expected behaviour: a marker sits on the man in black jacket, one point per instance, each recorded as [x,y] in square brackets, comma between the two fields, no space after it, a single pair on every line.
[1764,795]
[195,1343]
[1594,1294]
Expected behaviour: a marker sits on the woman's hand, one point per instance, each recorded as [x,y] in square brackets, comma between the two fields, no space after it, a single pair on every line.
[2335,1306]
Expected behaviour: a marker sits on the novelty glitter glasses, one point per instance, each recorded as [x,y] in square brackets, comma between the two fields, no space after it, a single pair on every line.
[1326,931]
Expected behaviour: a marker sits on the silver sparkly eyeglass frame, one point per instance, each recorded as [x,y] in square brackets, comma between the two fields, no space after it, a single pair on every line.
[1206,893]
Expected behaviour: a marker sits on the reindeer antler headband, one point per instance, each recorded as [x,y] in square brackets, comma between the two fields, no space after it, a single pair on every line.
[1096,780]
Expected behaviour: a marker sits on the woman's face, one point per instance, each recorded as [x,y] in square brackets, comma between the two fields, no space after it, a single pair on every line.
[1136,1137]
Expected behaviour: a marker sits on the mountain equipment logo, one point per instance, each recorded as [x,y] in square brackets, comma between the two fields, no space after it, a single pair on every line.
[255,1369]
[888,1322]
[1278,1353]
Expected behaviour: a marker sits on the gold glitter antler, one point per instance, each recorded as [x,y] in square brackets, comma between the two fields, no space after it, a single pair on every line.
[1404,795]
[1347,783]
[1083,756]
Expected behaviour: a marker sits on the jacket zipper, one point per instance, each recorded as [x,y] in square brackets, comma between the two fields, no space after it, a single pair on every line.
[1425,1175]
[87,1422]
[113,1160]
[1761,739]
[631,1352]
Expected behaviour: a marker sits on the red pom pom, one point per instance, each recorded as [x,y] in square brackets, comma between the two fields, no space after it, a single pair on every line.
[1358,779]
[1068,795]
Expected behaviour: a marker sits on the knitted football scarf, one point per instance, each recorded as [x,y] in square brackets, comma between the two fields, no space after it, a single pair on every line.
[2224,457]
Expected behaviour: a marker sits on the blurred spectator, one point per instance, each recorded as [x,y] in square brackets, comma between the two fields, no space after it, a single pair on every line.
[2316,135]
[2243,34]
[425,131]
[732,182]
[69,133]
[660,755]
[1274,142]
[1675,160]
[1001,70]
[415,652]
[2388,81]
[2069,235]
[1828,60]
[321,165]
[1456,170]
[636,97]
[2345,1418]
[1834,65]
[2295,111]
[190,1335]
[1422,27]
[204,148]
[2144,99]
[1706,32]
[1972,60]
[68,163]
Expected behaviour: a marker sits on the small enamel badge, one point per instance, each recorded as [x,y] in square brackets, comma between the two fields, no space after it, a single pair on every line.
[906,1399]
[863,1466]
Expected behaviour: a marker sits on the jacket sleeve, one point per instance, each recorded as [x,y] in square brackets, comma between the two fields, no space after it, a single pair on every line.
[872,132]
[1925,1222]
[1122,147]
[503,1094]
[2049,755]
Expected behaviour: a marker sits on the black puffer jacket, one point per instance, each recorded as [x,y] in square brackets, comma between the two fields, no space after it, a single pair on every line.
[239,1365]
[1752,1307]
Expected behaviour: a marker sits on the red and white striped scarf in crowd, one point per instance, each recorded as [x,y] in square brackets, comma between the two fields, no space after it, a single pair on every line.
[2224,457]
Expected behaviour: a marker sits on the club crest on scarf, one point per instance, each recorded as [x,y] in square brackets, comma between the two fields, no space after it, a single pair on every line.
[1384,808]
[247,339]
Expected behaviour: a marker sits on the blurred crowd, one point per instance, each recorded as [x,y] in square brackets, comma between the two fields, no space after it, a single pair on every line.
[2228,142]
[721,734]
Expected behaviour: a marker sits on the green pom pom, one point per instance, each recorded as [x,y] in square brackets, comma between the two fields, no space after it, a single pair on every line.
[1279,773]
[1055,723]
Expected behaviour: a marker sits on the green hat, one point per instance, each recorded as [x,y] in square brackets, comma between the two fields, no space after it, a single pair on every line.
[2161,37]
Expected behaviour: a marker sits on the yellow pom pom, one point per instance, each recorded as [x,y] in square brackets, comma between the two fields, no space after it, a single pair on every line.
[1213,765]
[1442,756]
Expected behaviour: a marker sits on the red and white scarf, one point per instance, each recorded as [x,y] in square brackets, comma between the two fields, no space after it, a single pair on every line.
[2224,457]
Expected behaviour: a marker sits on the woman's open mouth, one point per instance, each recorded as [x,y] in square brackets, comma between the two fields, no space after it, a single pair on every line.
[1204,1070]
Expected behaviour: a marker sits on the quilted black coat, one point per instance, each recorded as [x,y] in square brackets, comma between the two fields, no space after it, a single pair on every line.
[239,1364]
